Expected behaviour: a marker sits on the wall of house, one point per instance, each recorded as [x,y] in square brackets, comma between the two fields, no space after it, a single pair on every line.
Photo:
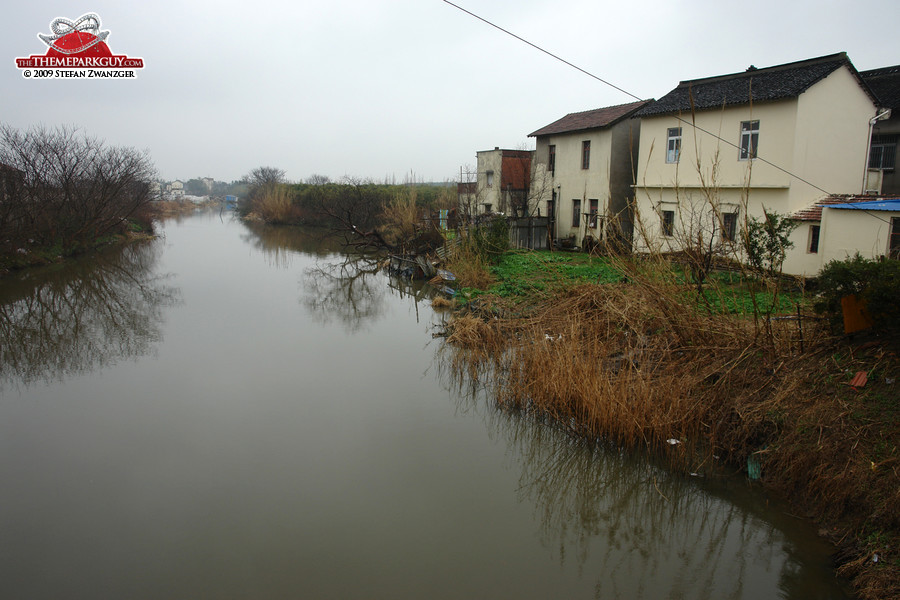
[698,214]
[832,138]
[572,182]
[846,232]
[708,161]
[799,260]
[623,163]
[488,161]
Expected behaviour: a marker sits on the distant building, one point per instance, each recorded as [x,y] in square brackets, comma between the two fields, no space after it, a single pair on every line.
[175,189]
[504,182]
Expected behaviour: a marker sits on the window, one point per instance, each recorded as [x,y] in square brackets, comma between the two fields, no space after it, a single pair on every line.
[813,239]
[729,226]
[594,206]
[576,213]
[668,222]
[883,152]
[551,158]
[490,179]
[749,139]
[586,154]
[673,146]
[487,207]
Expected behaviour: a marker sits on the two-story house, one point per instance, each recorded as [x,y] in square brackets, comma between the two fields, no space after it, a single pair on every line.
[718,150]
[584,169]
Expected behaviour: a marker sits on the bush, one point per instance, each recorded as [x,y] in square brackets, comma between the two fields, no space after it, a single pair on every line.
[875,282]
[491,238]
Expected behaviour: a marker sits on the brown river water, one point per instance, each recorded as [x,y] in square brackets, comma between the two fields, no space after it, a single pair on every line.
[227,412]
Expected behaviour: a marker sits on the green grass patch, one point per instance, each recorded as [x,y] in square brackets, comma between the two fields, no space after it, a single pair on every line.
[522,273]
[530,275]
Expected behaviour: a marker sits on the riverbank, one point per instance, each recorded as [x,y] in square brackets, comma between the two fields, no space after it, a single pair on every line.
[36,255]
[625,352]
[131,230]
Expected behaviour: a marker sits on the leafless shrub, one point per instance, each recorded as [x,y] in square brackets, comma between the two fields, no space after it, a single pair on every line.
[64,187]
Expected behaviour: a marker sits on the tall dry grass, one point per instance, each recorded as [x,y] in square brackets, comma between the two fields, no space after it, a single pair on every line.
[472,269]
[617,363]
[275,204]
[400,217]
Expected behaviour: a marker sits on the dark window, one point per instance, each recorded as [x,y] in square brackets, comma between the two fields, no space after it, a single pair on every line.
[586,154]
[749,139]
[576,213]
[813,239]
[668,222]
[673,145]
[883,153]
[551,158]
[594,206]
[729,226]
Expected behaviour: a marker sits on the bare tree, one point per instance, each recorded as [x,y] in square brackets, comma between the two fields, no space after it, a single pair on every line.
[68,188]
[318,179]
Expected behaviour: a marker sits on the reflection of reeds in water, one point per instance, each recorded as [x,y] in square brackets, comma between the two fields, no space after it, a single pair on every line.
[650,533]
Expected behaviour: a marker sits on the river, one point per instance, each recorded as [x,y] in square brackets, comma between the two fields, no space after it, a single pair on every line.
[220,414]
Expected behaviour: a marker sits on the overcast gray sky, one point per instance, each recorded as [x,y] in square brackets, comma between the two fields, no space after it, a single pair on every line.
[373,88]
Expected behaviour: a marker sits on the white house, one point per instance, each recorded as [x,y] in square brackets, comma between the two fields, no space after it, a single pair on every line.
[584,169]
[718,150]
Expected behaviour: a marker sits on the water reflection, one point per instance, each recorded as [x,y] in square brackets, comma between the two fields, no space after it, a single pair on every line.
[655,533]
[65,321]
[282,244]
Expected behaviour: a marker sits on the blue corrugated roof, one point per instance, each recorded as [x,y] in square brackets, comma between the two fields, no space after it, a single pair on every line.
[891,204]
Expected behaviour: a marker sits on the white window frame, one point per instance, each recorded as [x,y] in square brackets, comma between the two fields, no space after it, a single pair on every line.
[673,145]
[749,147]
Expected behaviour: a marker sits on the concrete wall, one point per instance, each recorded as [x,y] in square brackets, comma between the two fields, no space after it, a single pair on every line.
[489,161]
[850,231]
[832,138]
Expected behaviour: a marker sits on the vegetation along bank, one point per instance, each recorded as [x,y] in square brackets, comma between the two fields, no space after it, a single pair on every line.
[735,375]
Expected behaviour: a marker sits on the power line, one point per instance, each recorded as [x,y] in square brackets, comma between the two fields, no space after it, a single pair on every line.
[547,52]
[627,93]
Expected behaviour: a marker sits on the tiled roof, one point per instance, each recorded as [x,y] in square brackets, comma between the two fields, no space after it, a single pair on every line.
[761,85]
[814,211]
[884,83]
[591,119]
